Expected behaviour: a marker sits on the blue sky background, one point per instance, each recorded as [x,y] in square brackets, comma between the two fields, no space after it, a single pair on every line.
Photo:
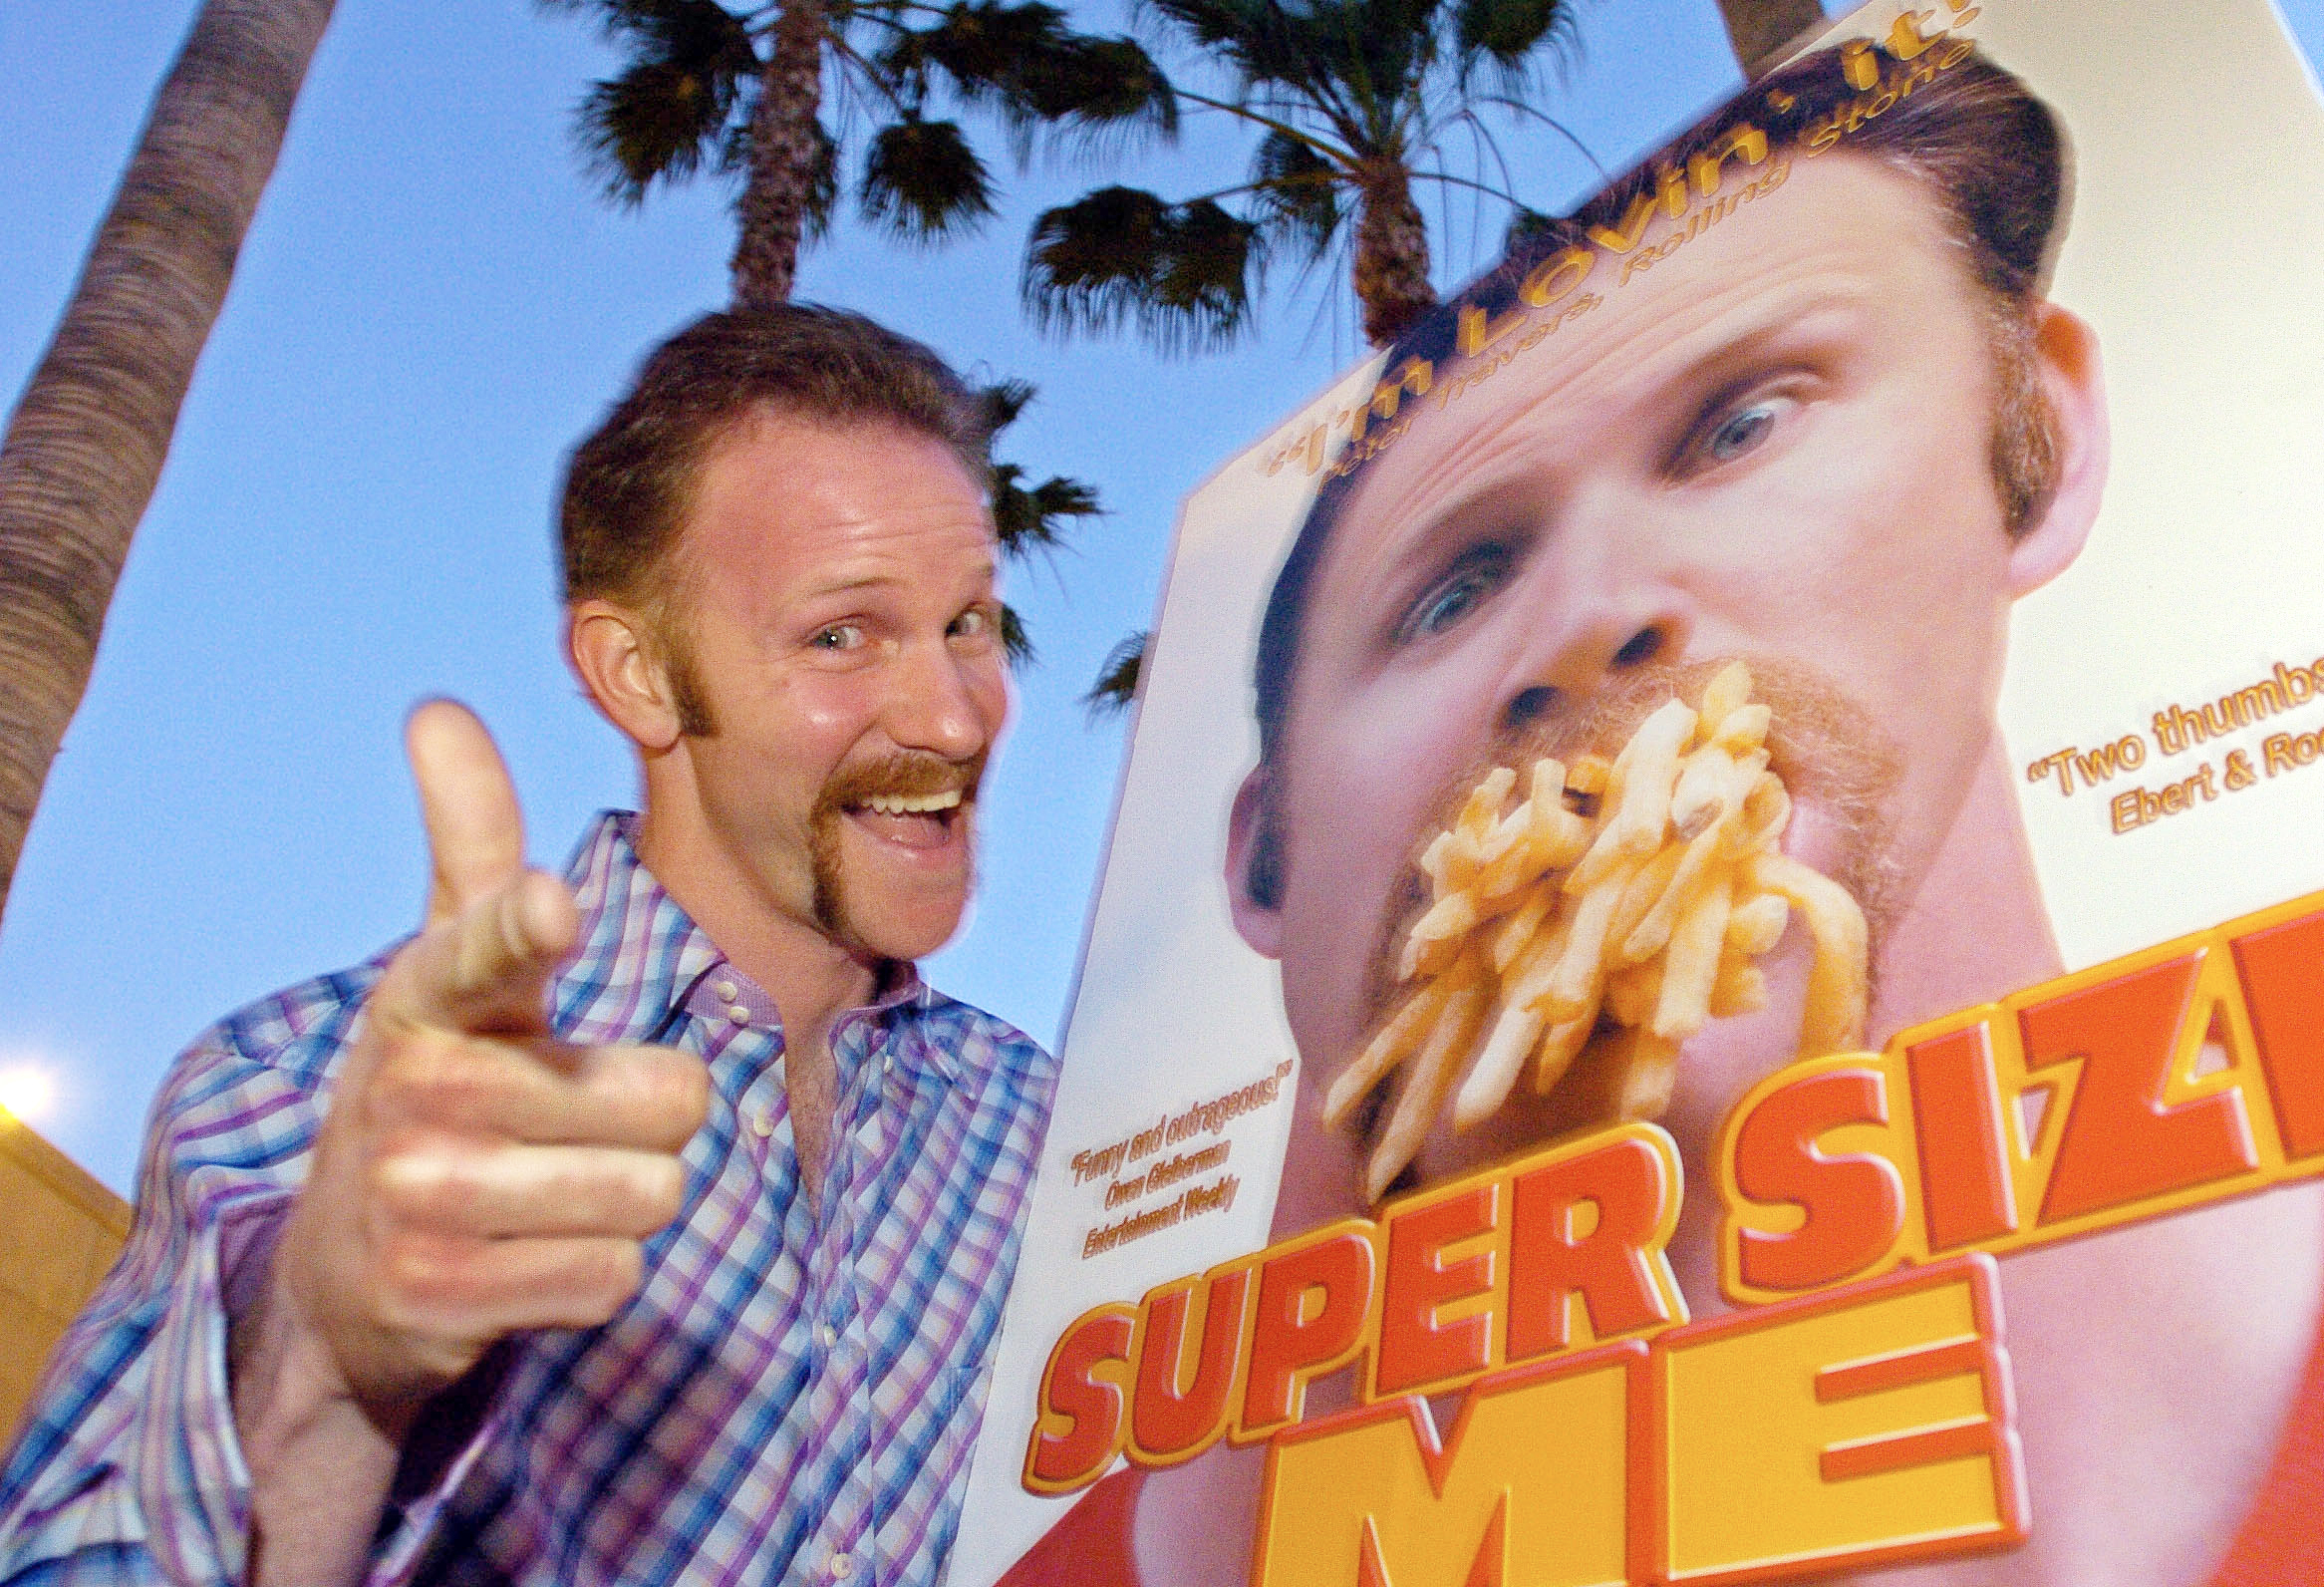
[432,307]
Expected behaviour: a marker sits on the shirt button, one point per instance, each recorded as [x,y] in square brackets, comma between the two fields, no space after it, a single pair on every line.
[887,1066]
[762,1124]
[842,1566]
[738,1013]
[826,1337]
[727,991]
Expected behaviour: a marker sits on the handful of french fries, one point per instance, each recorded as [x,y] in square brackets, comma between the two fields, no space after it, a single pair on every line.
[1620,902]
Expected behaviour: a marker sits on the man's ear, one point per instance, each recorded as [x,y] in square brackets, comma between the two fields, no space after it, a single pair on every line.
[2066,363]
[1255,863]
[613,655]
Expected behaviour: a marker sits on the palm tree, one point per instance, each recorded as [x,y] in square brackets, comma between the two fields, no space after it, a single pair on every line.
[740,90]
[1353,101]
[710,87]
[86,444]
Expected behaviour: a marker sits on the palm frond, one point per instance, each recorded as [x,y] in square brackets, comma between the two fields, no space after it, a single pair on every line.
[1016,641]
[1118,677]
[1025,521]
[1022,62]
[1097,86]
[1002,401]
[1514,36]
[1527,226]
[923,182]
[665,118]
[1182,274]
[1299,194]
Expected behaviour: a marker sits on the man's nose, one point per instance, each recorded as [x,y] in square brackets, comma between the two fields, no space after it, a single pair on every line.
[1592,607]
[938,706]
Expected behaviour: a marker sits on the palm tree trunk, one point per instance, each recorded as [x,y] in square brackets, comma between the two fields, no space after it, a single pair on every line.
[1759,29]
[783,157]
[1391,255]
[85,446]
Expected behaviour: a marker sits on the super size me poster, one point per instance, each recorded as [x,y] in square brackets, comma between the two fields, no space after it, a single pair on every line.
[1711,967]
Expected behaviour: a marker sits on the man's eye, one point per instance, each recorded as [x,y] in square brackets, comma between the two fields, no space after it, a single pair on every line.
[974,623]
[1743,430]
[1476,575]
[839,636]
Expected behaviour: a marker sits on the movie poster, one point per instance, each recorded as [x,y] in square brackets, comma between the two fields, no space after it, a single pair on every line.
[1711,966]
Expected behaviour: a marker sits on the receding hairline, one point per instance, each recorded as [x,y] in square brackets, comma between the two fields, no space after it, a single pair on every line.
[624,480]
[664,580]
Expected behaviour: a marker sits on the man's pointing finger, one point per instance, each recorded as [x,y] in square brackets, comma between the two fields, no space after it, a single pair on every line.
[495,930]
[475,831]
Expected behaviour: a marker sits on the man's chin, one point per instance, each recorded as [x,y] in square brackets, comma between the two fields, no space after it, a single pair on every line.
[895,928]
[891,899]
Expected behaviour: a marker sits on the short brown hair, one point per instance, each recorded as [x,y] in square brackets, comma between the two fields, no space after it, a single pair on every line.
[630,484]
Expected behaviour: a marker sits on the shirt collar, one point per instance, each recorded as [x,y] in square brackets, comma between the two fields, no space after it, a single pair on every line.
[642,963]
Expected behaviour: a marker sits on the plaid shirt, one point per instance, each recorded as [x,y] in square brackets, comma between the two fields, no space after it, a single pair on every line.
[793,1396]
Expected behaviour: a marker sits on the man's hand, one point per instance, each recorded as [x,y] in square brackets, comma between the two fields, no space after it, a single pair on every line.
[473,1174]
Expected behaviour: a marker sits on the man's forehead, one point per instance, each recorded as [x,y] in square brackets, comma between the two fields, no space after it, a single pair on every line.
[1837,238]
[790,508]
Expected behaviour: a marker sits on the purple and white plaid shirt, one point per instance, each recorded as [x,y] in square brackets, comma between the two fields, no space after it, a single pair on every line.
[792,1396]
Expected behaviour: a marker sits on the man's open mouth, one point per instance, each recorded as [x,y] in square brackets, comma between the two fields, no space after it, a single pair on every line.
[913,820]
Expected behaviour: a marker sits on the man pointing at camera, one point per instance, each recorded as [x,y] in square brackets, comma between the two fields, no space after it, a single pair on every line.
[651,1226]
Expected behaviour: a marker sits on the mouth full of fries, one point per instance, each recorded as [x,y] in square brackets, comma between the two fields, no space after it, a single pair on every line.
[1615,908]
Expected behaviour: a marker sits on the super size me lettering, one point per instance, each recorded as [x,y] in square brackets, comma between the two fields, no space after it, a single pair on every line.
[1863,1199]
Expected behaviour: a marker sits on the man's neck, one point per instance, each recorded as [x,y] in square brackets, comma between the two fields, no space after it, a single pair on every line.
[1977,928]
[812,978]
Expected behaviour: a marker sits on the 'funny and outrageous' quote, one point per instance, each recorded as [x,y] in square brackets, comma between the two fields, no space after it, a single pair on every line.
[1133,1169]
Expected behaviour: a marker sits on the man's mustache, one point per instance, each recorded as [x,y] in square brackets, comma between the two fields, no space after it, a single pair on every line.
[1829,749]
[904,775]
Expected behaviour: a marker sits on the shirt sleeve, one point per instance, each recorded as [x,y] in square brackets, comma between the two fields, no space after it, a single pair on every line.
[128,1468]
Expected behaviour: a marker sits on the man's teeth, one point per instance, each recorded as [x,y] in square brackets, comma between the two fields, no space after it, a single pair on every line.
[912,804]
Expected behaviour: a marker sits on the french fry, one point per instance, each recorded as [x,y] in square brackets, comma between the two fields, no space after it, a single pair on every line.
[1560,1044]
[1452,916]
[1648,885]
[1704,791]
[1632,992]
[1517,931]
[1647,1065]
[1573,983]
[1384,1051]
[1424,1088]
[1639,819]
[1483,811]
[1839,990]
[1740,989]
[1427,956]
[1692,966]
[1652,929]
[1724,695]
[1613,910]
[1757,924]
[1495,1072]
[1767,811]
[1542,847]
[1743,729]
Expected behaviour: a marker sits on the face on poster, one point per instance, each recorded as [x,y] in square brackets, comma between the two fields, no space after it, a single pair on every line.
[1828,391]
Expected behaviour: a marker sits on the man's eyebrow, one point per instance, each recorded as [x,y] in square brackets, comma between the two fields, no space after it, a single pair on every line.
[983,574]
[846,586]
